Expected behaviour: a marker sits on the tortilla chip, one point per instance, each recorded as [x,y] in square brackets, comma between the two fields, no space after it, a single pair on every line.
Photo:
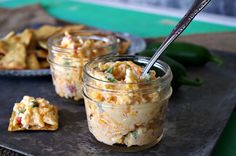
[47,127]
[71,28]
[13,39]
[44,32]
[3,48]
[15,58]
[44,64]
[9,35]
[43,44]
[41,54]
[35,41]
[26,37]
[32,61]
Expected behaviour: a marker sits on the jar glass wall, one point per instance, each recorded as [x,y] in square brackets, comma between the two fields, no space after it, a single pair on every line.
[68,53]
[127,116]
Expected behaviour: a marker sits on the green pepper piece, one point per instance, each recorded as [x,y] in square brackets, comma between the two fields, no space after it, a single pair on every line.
[110,70]
[67,63]
[135,134]
[111,79]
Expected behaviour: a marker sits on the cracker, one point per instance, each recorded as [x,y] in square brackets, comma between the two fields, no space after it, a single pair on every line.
[47,127]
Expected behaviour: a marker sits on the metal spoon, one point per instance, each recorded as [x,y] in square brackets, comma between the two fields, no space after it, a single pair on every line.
[180,27]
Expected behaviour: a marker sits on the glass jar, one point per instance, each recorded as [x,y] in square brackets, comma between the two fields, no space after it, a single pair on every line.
[66,62]
[127,116]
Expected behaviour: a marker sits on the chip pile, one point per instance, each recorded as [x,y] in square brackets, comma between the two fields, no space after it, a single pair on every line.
[28,50]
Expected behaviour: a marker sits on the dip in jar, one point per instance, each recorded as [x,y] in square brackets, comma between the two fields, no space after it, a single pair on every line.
[69,52]
[123,109]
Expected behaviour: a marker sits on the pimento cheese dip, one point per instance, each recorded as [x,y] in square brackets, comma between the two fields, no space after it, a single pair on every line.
[33,114]
[123,107]
[69,56]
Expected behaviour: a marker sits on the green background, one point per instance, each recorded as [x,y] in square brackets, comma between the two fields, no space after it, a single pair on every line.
[138,23]
[134,22]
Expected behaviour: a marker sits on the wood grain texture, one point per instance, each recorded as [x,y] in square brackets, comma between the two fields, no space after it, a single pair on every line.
[13,19]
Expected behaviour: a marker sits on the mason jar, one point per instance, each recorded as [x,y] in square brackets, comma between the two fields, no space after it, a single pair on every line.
[69,53]
[127,116]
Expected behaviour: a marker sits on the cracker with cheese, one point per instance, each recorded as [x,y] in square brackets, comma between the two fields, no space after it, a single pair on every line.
[33,114]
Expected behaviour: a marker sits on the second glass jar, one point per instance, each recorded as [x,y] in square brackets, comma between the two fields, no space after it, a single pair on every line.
[69,52]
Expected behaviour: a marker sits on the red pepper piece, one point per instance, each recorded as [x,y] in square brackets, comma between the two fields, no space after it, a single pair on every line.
[18,119]
[72,88]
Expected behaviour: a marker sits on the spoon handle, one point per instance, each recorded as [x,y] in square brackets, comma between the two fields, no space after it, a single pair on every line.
[180,27]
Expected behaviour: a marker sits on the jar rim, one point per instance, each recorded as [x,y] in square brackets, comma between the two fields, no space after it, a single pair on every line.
[166,78]
[112,39]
